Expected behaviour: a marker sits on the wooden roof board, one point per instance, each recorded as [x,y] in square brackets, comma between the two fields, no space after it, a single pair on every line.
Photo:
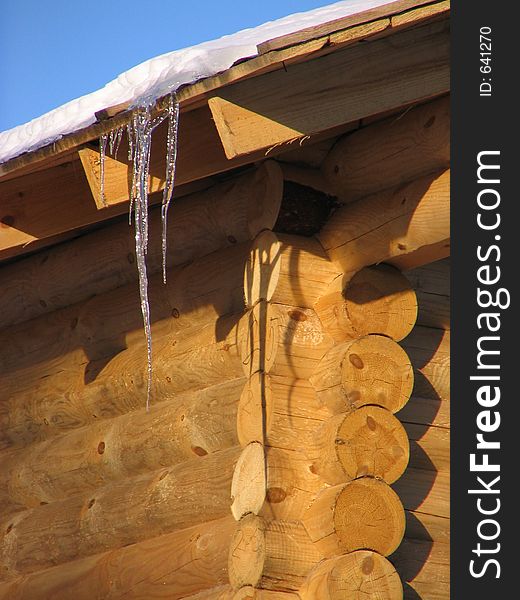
[310,44]
[309,33]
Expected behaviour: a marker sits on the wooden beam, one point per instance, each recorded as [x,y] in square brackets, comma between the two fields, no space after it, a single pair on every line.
[258,114]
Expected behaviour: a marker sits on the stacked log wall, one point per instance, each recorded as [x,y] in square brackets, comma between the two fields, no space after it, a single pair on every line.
[272,456]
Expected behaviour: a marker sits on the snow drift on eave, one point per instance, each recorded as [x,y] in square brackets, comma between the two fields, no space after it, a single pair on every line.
[163,74]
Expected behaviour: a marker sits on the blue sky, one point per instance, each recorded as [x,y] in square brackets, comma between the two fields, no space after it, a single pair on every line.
[52,51]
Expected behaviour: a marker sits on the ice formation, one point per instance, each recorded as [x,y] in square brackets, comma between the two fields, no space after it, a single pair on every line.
[139,132]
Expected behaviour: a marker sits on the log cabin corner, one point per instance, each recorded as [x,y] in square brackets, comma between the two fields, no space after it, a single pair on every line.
[297,443]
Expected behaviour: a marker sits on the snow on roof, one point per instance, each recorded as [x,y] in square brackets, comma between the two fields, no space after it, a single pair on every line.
[164,74]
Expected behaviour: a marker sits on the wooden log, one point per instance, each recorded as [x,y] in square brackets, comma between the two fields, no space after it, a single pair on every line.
[369,441]
[295,415]
[282,340]
[356,575]
[271,555]
[103,389]
[370,370]
[432,285]
[169,566]
[363,514]
[248,486]
[406,226]
[121,513]
[282,411]
[377,299]
[228,213]
[196,295]
[195,424]
[302,342]
[391,152]
[287,269]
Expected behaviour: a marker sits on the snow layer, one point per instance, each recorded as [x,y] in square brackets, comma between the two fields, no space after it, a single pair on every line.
[158,76]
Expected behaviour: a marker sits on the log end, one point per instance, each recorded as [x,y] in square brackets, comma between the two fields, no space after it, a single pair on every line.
[264,205]
[356,576]
[247,552]
[369,514]
[248,487]
[376,370]
[258,338]
[381,300]
[363,514]
[262,268]
[369,441]
[255,412]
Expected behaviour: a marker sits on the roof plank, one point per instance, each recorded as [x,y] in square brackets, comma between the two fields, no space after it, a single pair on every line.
[316,31]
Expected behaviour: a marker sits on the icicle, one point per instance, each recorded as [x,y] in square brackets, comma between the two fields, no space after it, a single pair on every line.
[139,142]
[114,139]
[139,198]
[111,138]
[130,135]
[171,159]
[102,153]
[119,136]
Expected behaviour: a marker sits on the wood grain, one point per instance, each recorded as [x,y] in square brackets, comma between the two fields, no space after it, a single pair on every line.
[169,566]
